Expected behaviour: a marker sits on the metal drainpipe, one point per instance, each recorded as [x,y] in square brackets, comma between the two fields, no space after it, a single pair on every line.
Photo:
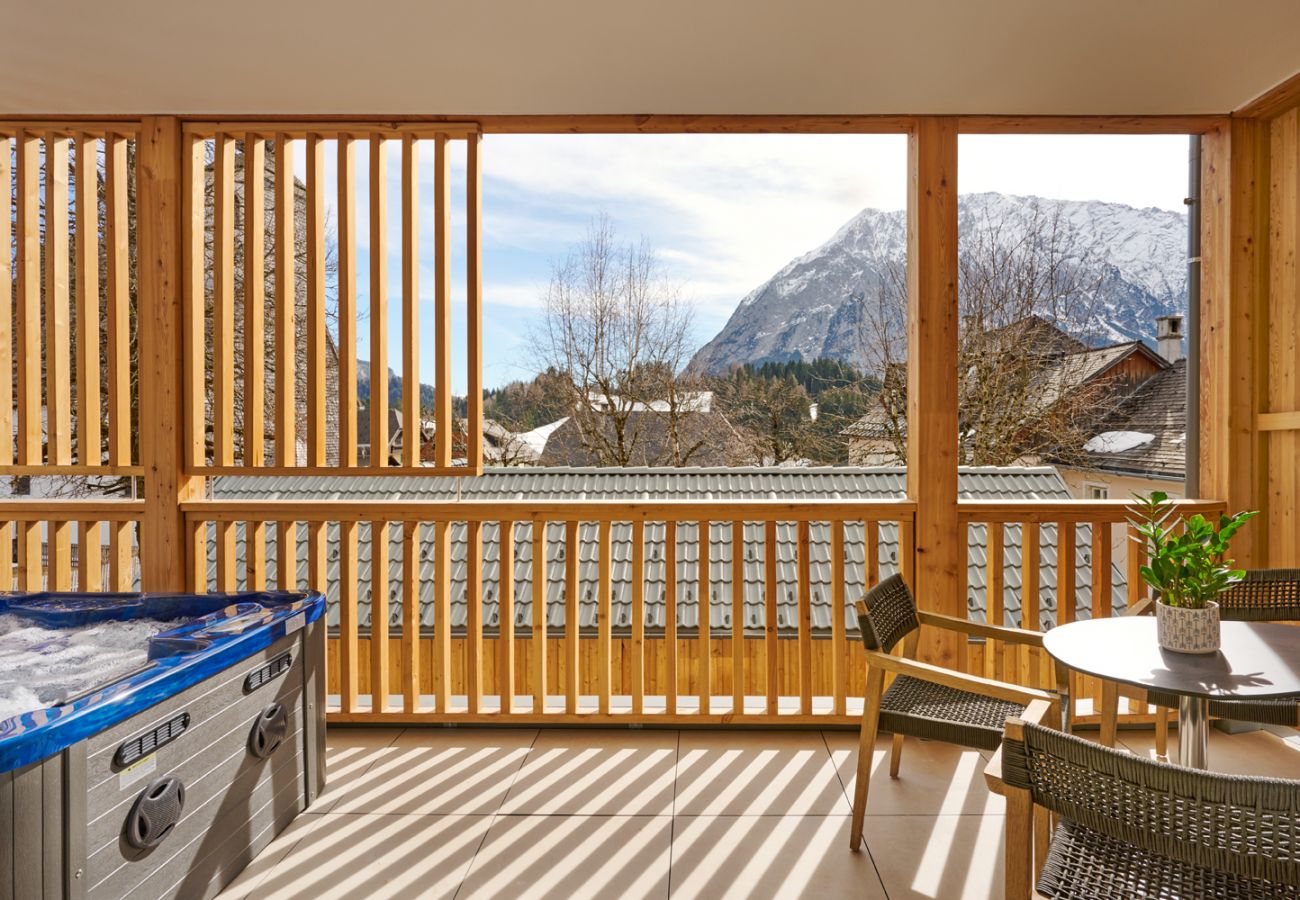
[1192,446]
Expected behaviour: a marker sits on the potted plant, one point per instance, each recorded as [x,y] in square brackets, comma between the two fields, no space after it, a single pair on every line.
[1187,568]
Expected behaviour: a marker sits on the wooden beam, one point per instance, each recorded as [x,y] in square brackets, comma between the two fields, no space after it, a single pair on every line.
[166,485]
[89,430]
[932,378]
[317,343]
[286,304]
[1234,285]
[117,248]
[474,302]
[28,320]
[410,299]
[254,300]
[58,348]
[379,305]
[1276,100]
[442,440]
[347,416]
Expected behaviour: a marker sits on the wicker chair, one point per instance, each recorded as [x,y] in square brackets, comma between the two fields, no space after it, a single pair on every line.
[1264,595]
[1130,827]
[926,701]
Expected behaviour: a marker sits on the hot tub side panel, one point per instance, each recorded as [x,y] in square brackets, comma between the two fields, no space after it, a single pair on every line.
[66,816]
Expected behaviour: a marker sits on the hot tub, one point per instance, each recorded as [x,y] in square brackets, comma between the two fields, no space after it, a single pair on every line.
[165,780]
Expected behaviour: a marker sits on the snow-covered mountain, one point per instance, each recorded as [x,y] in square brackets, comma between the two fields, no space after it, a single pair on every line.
[813,306]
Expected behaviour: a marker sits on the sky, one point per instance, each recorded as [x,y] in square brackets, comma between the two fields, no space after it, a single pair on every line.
[723,212]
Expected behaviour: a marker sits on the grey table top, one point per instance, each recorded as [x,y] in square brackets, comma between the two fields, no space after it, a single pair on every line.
[1256,660]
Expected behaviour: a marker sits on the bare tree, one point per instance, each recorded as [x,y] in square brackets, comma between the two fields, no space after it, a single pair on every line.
[1025,385]
[618,331]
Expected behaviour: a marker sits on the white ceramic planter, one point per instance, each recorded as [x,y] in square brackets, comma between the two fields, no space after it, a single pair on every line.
[1188,630]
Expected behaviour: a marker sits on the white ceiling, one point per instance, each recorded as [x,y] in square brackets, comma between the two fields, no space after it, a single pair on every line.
[397,57]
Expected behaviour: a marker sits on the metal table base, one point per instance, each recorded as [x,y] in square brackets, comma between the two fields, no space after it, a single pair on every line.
[1194,732]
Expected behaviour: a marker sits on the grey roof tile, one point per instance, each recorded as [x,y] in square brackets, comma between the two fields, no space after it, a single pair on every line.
[849,483]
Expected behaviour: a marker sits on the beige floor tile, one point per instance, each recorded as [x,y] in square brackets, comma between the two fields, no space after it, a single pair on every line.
[566,857]
[373,856]
[596,772]
[1248,753]
[428,771]
[246,884]
[349,752]
[731,773]
[947,857]
[935,778]
[769,856]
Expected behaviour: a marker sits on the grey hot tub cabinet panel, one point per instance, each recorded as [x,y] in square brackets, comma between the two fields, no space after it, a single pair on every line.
[66,814]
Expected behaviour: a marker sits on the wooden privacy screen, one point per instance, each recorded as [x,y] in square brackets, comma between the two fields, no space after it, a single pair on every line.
[272,281]
[68,386]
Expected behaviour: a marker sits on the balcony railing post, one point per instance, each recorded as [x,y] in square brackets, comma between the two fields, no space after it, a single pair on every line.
[159,313]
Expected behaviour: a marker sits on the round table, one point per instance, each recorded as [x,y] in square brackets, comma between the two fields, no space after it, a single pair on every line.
[1256,661]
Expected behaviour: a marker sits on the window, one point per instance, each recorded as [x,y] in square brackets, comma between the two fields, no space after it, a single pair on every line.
[1093,491]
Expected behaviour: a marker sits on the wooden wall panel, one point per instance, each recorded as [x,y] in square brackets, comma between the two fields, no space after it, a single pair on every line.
[1282,378]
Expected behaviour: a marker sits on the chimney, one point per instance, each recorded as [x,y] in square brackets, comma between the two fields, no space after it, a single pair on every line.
[1169,337]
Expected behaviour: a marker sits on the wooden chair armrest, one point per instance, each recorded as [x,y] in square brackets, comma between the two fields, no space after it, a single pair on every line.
[1035,713]
[1143,607]
[987,687]
[981,629]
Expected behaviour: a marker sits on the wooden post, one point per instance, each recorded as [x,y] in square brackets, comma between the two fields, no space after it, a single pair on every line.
[158,236]
[1234,301]
[932,377]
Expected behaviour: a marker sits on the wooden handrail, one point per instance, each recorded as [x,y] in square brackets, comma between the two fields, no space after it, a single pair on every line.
[1076,511]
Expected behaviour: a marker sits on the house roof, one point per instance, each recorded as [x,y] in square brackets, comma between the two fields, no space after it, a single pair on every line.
[1157,408]
[666,484]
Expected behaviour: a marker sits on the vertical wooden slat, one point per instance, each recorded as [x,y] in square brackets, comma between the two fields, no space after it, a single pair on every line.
[226,558]
[474,619]
[738,618]
[442,615]
[670,616]
[805,619]
[255,556]
[604,614]
[90,557]
[117,247]
[30,574]
[378,616]
[871,550]
[317,558]
[119,555]
[539,604]
[410,300]
[347,416]
[89,431]
[6,556]
[637,646]
[1066,595]
[996,596]
[1030,590]
[194,288]
[442,441]
[705,606]
[223,289]
[839,648]
[349,651]
[254,300]
[506,616]
[907,551]
[410,616]
[58,349]
[60,556]
[286,555]
[196,556]
[770,589]
[1135,558]
[286,293]
[317,417]
[572,615]
[7,326]
[29,300]
[1101,586]
[379,306]
[474,301]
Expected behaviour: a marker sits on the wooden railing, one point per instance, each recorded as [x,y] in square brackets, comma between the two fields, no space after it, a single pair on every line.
[62,545]
[1091,533]
[452,670]
[764,672]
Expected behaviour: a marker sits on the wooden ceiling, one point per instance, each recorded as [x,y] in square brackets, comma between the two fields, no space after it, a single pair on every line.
[758,57]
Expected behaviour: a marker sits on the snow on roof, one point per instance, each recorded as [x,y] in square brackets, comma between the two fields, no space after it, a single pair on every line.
[1117,441]
[536,439]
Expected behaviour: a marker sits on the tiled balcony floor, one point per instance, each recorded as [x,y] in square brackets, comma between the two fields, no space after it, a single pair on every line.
[475,813]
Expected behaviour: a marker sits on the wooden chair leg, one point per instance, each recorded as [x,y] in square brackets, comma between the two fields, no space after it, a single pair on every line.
[1162,731]
[1109,712]
[895,755]
[1019,844]
[866,752]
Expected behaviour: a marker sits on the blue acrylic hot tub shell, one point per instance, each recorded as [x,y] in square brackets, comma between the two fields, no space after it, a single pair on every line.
[221,630]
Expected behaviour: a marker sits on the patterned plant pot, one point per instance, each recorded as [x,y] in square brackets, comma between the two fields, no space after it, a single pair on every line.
[1188,630]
